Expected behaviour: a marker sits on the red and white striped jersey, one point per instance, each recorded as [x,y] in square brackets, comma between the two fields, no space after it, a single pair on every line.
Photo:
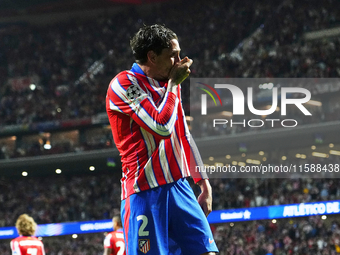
[150,131]
[27,245]
[115,242]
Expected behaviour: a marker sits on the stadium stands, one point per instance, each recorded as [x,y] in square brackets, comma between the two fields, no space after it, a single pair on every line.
[97,196]
[61,60]
[296,236]
[305,236]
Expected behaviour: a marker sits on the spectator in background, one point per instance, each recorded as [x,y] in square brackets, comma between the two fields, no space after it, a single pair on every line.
[114,242]
[26,243]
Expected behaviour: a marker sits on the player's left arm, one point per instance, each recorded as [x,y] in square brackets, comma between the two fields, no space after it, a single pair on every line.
[205,198]
[200,178]
[190,147]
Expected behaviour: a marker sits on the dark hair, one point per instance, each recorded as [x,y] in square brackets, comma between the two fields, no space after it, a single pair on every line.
[118,220]
[155,37]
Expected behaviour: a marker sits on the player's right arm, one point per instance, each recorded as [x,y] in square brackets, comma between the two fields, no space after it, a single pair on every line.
[140,107]
[125,95]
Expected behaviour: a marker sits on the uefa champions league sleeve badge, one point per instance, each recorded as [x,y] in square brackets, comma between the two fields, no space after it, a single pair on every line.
[133,92]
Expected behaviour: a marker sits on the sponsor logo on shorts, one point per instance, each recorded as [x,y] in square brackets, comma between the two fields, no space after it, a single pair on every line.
[144,245]
[211,240]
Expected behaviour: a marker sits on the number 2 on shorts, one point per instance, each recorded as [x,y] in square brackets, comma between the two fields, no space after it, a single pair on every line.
[141,231]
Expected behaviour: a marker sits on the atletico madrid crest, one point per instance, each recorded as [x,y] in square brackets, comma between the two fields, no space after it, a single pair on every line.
[144,245]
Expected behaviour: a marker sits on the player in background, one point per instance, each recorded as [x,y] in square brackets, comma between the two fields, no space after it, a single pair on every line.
[26,243]
[160,213]
[114,242]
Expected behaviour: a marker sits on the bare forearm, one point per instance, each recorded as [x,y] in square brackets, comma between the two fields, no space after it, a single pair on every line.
[205,186]
[205,198]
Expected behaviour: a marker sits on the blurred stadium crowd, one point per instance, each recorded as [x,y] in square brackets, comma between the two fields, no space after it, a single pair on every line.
[96,197]
[60,199]
[71,64]
[88,244]
[298,236]
[310,236]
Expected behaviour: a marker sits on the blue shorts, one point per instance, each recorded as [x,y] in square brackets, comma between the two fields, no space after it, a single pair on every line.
[166,220]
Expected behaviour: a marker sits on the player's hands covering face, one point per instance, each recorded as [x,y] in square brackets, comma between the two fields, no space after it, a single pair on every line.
[180,71]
